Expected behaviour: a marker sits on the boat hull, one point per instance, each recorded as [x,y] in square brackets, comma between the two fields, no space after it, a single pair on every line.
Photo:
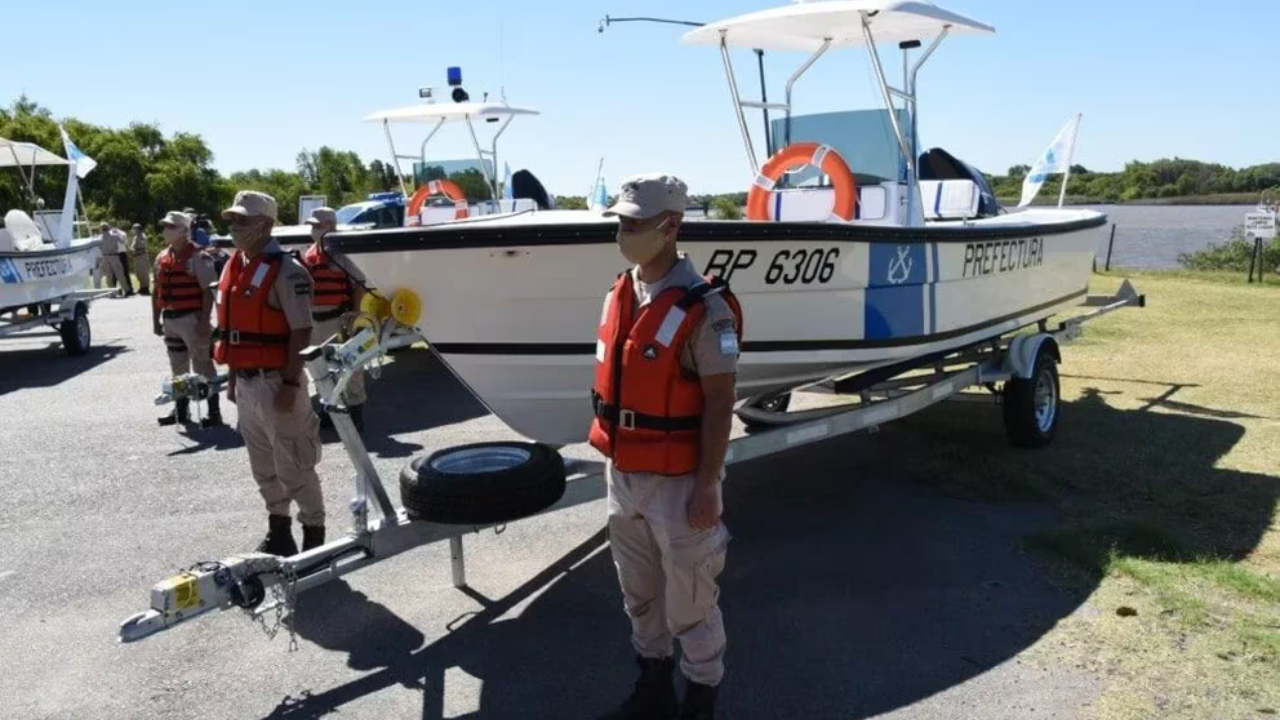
[513,309]
[28,278]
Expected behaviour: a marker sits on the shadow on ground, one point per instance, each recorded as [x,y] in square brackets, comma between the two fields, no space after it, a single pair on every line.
[416,392]
[47,366]
[866,574]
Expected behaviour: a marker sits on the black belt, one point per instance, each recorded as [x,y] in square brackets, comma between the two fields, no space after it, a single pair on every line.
[236,337]
[330,314]
[256,372]
[175,314]
[631,420]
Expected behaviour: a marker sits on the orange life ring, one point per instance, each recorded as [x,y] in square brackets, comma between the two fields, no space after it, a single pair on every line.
[447,188]
[796,156]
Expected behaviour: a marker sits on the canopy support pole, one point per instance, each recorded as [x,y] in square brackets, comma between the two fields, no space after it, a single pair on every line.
[422,151]
[493,185]
[887,93]
[737,103]
[386,127]
[791,81]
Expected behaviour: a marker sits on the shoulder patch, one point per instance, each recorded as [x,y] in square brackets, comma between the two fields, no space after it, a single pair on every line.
[729,344]
[302,288]
[725,325]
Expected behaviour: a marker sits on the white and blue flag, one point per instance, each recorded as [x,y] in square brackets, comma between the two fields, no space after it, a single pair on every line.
[599,196]
[508,193]
[1057,159]
[84,163]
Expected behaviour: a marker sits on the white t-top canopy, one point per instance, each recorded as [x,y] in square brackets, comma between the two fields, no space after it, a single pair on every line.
[435,112]
[803,26]
[21,154]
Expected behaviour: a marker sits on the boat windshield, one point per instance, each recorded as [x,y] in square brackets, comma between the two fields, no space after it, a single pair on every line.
[864,138]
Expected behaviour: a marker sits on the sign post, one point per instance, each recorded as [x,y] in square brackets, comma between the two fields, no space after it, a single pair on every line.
[1259,225]
[307,203]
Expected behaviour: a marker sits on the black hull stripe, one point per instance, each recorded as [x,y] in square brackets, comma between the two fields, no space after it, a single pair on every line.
[562,349]
[479,235]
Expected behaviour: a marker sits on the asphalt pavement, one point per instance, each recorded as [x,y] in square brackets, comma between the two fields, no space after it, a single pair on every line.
[851,590]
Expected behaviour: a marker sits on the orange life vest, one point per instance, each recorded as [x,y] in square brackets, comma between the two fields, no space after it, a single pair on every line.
[648,408]
[332,284]
[251,333]
[177,289]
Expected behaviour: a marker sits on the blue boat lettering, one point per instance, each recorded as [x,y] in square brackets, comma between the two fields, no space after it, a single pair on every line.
[1002,256]
[41,269]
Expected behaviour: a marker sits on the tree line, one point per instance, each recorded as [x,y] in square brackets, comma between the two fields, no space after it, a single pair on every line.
[1158,180]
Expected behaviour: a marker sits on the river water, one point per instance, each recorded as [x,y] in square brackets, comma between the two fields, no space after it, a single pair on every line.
[1152,236]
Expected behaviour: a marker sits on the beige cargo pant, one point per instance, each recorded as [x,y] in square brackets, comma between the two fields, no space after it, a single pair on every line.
[284,447]
[188,349]
[109,267]
[142,268]
[322,330]
[668,571]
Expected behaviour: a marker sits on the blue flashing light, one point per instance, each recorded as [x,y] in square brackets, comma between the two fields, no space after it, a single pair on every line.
[391,198]
[455,76]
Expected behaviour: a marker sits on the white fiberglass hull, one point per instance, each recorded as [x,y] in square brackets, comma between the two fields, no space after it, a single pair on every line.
[512,305]
[27,278]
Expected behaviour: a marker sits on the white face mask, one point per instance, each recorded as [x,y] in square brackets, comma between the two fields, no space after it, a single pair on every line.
[318,232]
[251,237]
[643,246]
[173,233]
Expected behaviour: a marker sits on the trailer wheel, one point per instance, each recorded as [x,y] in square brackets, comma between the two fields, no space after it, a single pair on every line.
[483,483]
[75,332]
[1031,405]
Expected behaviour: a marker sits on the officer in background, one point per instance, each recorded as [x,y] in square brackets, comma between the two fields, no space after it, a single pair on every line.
[264,323]
[141,261]
[663,397]
[109,260]
[339,287]
[180,311]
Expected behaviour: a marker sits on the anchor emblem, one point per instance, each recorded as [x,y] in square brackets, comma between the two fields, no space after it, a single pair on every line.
[900,269]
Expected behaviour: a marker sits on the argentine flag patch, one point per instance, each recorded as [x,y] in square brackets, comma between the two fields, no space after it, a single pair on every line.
[729,344]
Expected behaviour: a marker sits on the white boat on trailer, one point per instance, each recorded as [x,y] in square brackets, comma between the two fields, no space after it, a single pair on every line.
[511,302]
[44,267]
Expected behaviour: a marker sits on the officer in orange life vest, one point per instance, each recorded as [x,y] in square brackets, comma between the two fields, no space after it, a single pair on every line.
[339,287]
[667,355]
[180,311]
[264,323]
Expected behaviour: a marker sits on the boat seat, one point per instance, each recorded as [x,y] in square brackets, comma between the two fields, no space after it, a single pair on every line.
[950,199]
[814,204]
[20,233]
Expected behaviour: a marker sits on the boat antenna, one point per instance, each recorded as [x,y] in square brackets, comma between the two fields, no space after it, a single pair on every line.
[607,21]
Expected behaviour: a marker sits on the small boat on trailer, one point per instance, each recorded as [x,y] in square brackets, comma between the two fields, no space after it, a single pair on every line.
[834,279]
[44,267]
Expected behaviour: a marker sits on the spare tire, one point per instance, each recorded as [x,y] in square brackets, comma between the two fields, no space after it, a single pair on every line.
[483,483]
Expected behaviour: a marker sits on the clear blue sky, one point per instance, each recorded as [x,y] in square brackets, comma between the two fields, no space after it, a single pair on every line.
[262,80]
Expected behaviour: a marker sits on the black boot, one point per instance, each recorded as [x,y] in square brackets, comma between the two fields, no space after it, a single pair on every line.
[181,413]
[214,418]
[357,416]
[312,537]
[699,702]
[279,539]
[654,697]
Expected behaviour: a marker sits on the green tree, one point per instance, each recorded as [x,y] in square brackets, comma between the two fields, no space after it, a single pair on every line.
[473,184]
[724,208]
[571,202]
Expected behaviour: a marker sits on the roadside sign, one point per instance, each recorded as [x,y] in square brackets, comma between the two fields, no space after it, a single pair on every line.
[307,203]
[1260,225]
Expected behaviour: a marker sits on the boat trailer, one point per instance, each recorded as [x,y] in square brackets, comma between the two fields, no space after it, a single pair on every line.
[268,586]
[68,314]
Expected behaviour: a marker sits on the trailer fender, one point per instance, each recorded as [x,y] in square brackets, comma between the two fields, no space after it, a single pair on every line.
[1020,361]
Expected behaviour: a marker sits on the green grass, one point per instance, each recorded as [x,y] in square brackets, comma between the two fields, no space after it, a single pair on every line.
[1166,473]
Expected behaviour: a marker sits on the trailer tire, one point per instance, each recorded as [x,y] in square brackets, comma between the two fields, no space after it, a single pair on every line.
[483,483]
[774,403]
[1032,405]
[76,333]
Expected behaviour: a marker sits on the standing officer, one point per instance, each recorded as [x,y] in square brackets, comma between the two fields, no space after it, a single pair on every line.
[338,291]
[112,245]
[264,323]
[663,397]
[180,311]
[141,263]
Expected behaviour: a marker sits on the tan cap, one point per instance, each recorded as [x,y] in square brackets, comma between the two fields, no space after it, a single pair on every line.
[646,196]
[323,216]
[251,203]
[179,219]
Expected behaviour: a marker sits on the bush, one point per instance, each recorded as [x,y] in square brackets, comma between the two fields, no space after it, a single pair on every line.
[724,208]
[1235,254]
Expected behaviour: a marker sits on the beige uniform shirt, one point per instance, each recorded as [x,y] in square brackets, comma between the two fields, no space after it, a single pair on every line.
[292,290]
[113,242]
[137,244]
[199,266]
[713,346]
